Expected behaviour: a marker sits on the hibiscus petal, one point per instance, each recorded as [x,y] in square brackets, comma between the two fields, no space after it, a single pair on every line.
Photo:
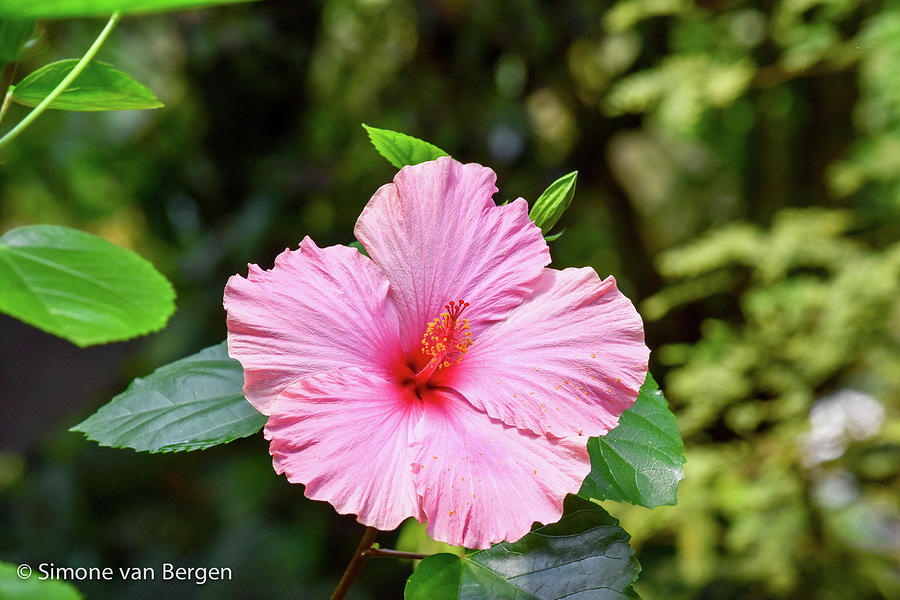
[438,236]
[481,481]
[567,361]
[345,436]
[317,309]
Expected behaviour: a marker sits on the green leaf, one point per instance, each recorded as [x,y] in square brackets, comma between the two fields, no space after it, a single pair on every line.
[401,149]
[15,587]
[551,205]
[413,537]
[190,404]
[98,87]
[96,8]
[640,461]
[79,286]
[13,34]
[356,244]
[585,555]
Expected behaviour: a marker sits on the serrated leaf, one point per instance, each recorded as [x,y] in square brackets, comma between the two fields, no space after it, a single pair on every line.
[79,286]
[15,587]
[401,149]
[551,204]
[640,461]
[585,555]
[97,8]
[13,34]
[98,87]
[190,404]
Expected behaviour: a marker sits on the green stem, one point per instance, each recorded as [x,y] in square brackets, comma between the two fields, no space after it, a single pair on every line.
[67,80]
[9,73]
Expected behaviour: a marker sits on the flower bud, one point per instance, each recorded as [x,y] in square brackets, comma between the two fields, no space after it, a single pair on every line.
[551,205]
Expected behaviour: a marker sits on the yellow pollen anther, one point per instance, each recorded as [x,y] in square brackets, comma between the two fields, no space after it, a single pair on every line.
[447,337]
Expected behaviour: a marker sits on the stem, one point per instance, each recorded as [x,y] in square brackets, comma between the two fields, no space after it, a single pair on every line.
[9,73]
[67,80]
[387,553]
[356,564]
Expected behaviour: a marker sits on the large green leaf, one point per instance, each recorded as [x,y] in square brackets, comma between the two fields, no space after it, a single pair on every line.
[96,8]
[79,286]
[401,149]
[551,205]
[640,461]
[98,87]
[25,584]
[585,555]
[190,404]
[13,33]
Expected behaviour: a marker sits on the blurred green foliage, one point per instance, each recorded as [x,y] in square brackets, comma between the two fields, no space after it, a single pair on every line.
[738,173]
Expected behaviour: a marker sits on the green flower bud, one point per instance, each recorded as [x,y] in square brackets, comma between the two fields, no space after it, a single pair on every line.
[551,205]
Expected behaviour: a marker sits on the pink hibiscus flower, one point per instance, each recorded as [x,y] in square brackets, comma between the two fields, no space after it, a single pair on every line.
[451,377]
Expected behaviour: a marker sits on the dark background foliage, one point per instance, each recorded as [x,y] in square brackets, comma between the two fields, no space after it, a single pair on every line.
[738,174]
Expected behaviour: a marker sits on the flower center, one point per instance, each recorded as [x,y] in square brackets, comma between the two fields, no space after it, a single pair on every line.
[447,337]
[445,341]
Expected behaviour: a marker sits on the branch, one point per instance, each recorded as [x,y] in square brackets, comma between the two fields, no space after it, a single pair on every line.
[67,80]
[356,564]
[388,553]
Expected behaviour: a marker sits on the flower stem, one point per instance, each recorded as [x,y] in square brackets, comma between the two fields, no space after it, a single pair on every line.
[388,553]
[67,80]
[6,78]
[356,564]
